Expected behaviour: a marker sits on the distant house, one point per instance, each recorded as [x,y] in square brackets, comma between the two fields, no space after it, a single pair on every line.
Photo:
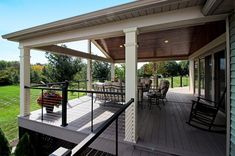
[201,31]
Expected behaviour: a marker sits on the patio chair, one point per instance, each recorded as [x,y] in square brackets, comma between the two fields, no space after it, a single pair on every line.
[159,94]
[163,89]
[203,114]
[145,83]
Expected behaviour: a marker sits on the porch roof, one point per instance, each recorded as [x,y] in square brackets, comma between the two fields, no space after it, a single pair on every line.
[112,14]
[184,25]
[173,44]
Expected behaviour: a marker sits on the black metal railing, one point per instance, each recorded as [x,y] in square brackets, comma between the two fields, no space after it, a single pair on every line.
[63,87]
[49,101]
[83,145]
[80,84]
[91,92]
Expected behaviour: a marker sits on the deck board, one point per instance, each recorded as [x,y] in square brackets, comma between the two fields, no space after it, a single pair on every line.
[163,130]
[169,131]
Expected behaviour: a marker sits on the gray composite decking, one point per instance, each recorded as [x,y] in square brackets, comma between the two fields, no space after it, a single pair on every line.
[161,132]
[166,129]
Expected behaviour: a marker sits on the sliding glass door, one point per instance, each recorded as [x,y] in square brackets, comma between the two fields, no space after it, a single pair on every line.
[202,77]
[220,71]
[208,77]
[196,77]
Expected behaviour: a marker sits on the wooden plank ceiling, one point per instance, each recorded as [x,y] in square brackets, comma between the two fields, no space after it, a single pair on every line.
[168,44]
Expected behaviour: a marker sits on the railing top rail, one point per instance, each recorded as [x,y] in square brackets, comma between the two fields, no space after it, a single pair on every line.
[97,92]
[90,138]
[79,81]
[75,90]
[50,84]
[44,88]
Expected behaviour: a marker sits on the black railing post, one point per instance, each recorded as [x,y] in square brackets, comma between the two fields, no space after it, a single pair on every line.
[86,85]
[78,88]
[42,105]
[156,82]
[172,82]
[117,137]
[181,81]
[122,93]
[91,112]
[64,103]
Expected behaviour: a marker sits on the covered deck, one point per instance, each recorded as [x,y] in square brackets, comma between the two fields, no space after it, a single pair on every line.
[161,132]
[140,31]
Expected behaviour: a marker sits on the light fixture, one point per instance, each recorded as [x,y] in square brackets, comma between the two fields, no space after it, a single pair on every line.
[166,41]
[121,46]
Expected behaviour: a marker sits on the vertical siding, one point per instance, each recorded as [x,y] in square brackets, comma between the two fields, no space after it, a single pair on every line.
[232,80]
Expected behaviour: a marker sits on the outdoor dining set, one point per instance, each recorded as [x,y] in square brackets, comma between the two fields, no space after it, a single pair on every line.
[154,96]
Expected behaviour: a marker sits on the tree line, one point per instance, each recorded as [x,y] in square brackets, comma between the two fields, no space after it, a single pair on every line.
[165,69]
[60,68]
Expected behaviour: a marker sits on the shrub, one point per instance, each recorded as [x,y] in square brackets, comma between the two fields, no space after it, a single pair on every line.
[24,147]
[5,149]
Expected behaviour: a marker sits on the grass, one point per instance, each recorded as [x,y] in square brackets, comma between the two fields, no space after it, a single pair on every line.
[176,81]
[10,108]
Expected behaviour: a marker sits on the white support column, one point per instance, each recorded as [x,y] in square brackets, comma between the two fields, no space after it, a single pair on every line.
[89,68]
[131,84]
[112,71]
[191,76]
[24,81]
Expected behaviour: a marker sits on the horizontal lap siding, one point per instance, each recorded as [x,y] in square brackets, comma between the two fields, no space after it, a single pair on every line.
[232,82]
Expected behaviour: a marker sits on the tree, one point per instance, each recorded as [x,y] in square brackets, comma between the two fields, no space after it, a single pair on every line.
[184,68]
[161,68]
[82,72]
[61,68]
[9,72]
[172,68]
[5,149]
[120,72]
[24,147]
[146,70]
[36,73]
[101,70]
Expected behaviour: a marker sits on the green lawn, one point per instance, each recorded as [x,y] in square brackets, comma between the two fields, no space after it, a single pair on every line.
[10,106]
[176,81]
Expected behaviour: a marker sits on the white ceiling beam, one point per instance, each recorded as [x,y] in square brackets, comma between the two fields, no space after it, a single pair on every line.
[157,59]
[71,52]
[160,21]
[101,49]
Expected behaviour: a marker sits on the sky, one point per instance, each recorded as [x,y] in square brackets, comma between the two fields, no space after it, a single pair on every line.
[20,14]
